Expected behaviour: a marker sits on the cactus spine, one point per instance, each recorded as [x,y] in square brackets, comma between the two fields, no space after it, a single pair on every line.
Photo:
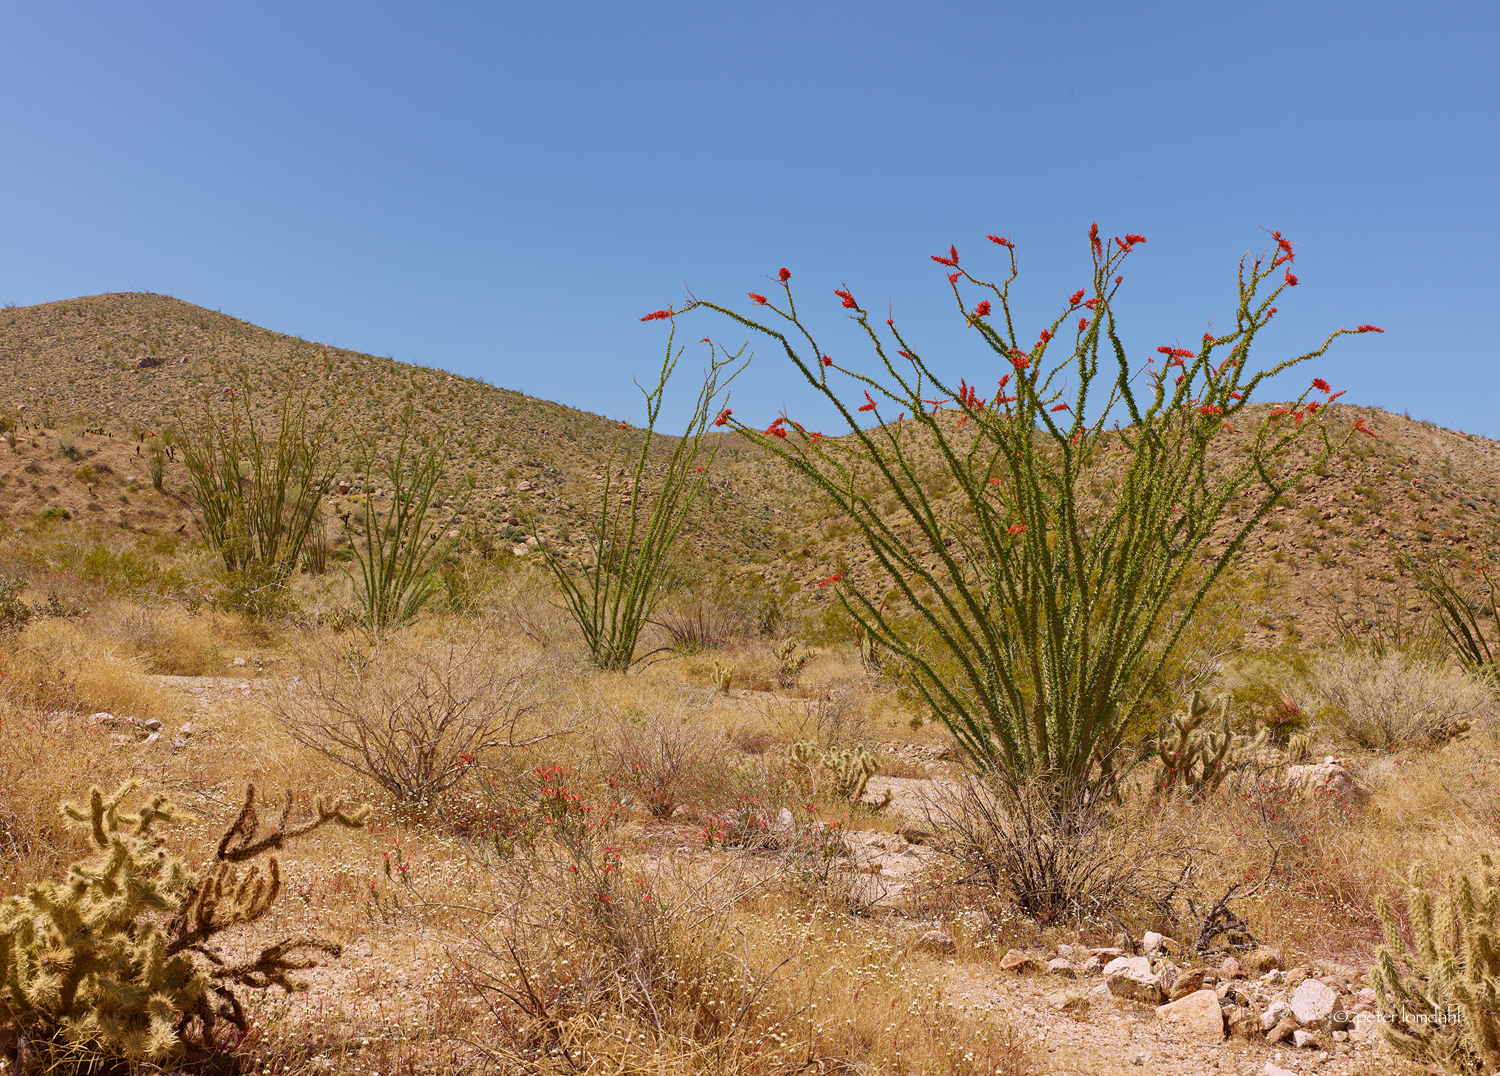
[851,770]
[1197,760]
[1447,1009]
[85,965]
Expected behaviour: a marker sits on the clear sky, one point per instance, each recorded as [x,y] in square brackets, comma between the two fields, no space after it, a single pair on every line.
[502,190]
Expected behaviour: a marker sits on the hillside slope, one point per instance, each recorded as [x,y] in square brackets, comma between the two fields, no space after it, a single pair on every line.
[76,365]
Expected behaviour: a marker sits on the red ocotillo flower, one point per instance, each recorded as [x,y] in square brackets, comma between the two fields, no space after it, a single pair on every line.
[982,310]
[869,404]
[832,579]
[849,303]
[760,300]
[1001,240]
[1291,279]
[784,275]
[1016,528]
[1210,409]
[1321,385]
[1046,336]
[1083,323]
[1092,303]
[953,278]
[1131,239]
[1359,424]
[657,315]
[1018,359]
[1076,298]
[950,261]
[1060,407]
[826,361]
[1369,329]
[1094,238]
[723,417]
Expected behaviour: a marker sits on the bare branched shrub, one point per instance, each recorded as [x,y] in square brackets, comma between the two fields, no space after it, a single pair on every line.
[1394,699]
[411,715]
[1077,864]
[667,757]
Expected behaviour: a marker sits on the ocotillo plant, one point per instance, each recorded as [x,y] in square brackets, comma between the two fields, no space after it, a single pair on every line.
[1457,612]
[1440,1004]
[257,494]
[402,547]
[1038,600]
[634,547]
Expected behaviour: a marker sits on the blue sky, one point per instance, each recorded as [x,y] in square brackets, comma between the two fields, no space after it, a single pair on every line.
[502,190]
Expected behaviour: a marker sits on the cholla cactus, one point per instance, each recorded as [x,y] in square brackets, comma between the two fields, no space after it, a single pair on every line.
[1299,747]
[1441,1004]
[1197,761]
[87,968]
[851,769]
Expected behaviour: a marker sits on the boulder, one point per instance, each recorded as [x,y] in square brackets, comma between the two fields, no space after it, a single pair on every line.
[1151,941]
[1198,1015]
[1132,977]
[1018,962]
[1328,779]
[1232,968]
[1061,966]
[1189,982]
[1273,1014]
[936,941]
[1069,1001]
[1313,1003]
[1259,961]
[1283,1030]
[1305,1040]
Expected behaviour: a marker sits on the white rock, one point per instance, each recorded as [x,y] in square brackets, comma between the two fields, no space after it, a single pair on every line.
[103,717]
[152,723]
[1151,941]
[1132,977]
[1326,779]
[1061,966]
[1313,1003]
[239,663]
[149,740]
[1305,1040]
[1273,1013]
[935,941]
[1198,1015]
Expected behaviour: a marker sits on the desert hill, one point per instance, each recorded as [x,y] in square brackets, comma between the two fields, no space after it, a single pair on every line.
[106,370]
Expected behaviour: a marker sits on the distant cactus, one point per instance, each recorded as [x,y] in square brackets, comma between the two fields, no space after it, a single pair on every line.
[722,676]
[1197,761]
[1441,1004]
[1299,747]
[851,769]
[85,965]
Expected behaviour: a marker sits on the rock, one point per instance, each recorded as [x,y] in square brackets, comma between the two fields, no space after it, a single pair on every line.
[1198,1014]
[1259,961]
[1282,1031]
[1061,966]
[103,718]
[912,833]
[187,729]
[525,487]
[1132,977]
[1327,779]
[1151,941]
[1313,1003]
[1092,966]
[1189,982]
[936,941]
[179,744]
[1232,968]
[1123,942]
[149,740]
[1070,1001]
[1018,962]
[1273,1069]
[239,663]
[1305,1040]
[152,724]
[1107,954]
[1273,1014]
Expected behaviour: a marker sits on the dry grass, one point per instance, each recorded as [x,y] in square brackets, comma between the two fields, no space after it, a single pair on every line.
[1395,700]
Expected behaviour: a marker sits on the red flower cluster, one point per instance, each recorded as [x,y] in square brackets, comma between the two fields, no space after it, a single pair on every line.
[1094,238]
[1046,336]
[1291,279]
[953,278]
[1018,359]
[657,315]
[969,398]
[1210,409]
[1001,240]
[1083,323]
[849,303]
[1016,528]
[1321,385]
[785,275]
[832,579]
[760,300]
[951,260]
[1174,352]
[723,417]
[1060,407]
[1359,424]
[869,404]
[982,310]
[1076,298]
[826,361]
[1369,329]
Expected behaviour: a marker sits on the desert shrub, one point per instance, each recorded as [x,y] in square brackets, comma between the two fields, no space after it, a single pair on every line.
[14,611]
[92,972]
[668,756]
[413,716]
[57,665]
[1081,864]
[166,639]
[1396,700]
[695,626]
[1049,580]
